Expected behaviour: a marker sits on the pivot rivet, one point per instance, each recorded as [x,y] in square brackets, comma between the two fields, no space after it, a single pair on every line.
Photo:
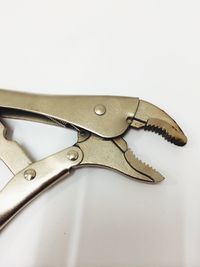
[29,174]
[100,109]
[72,155]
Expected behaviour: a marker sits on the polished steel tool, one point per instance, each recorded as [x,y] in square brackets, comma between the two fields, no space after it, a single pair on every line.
[100,121]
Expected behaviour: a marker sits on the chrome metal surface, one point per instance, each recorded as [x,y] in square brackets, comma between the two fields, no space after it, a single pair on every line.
[72,155]
[19,191]
[152,118]
[100,109]
[73,110]
[101,123]
[29,174]
[105,153]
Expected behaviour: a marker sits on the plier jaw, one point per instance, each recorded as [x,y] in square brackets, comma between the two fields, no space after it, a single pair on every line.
[152,118]
[116,155]
[101,123]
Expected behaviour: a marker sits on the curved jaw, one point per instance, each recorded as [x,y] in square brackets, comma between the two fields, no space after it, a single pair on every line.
[115,154]
[152,118]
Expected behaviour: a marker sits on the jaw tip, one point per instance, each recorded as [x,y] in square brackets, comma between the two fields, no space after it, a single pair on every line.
[183,140]
[169,131]
[147,173]
[157,178]
[152,118]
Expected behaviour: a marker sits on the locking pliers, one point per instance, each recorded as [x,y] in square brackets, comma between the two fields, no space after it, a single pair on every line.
[100,122]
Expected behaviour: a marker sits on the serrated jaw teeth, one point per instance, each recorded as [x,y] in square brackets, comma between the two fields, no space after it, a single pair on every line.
[152,118]
[167,131]
[151,174]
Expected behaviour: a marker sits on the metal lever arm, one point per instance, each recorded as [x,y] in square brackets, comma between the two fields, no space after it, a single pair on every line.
[30,182]
[105,116]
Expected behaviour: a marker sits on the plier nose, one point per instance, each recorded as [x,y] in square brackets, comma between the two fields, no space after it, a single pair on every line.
[152,118]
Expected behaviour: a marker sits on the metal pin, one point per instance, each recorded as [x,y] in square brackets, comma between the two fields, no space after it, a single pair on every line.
[72,155]
[29,174]
[100,109]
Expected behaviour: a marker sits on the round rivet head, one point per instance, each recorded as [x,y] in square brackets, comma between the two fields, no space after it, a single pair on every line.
[72,155]
[100,109]
[29,174]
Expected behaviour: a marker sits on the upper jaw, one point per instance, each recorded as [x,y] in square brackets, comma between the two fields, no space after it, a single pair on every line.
[152,118]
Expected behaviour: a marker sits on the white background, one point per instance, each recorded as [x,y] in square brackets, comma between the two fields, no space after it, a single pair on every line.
[96,217]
